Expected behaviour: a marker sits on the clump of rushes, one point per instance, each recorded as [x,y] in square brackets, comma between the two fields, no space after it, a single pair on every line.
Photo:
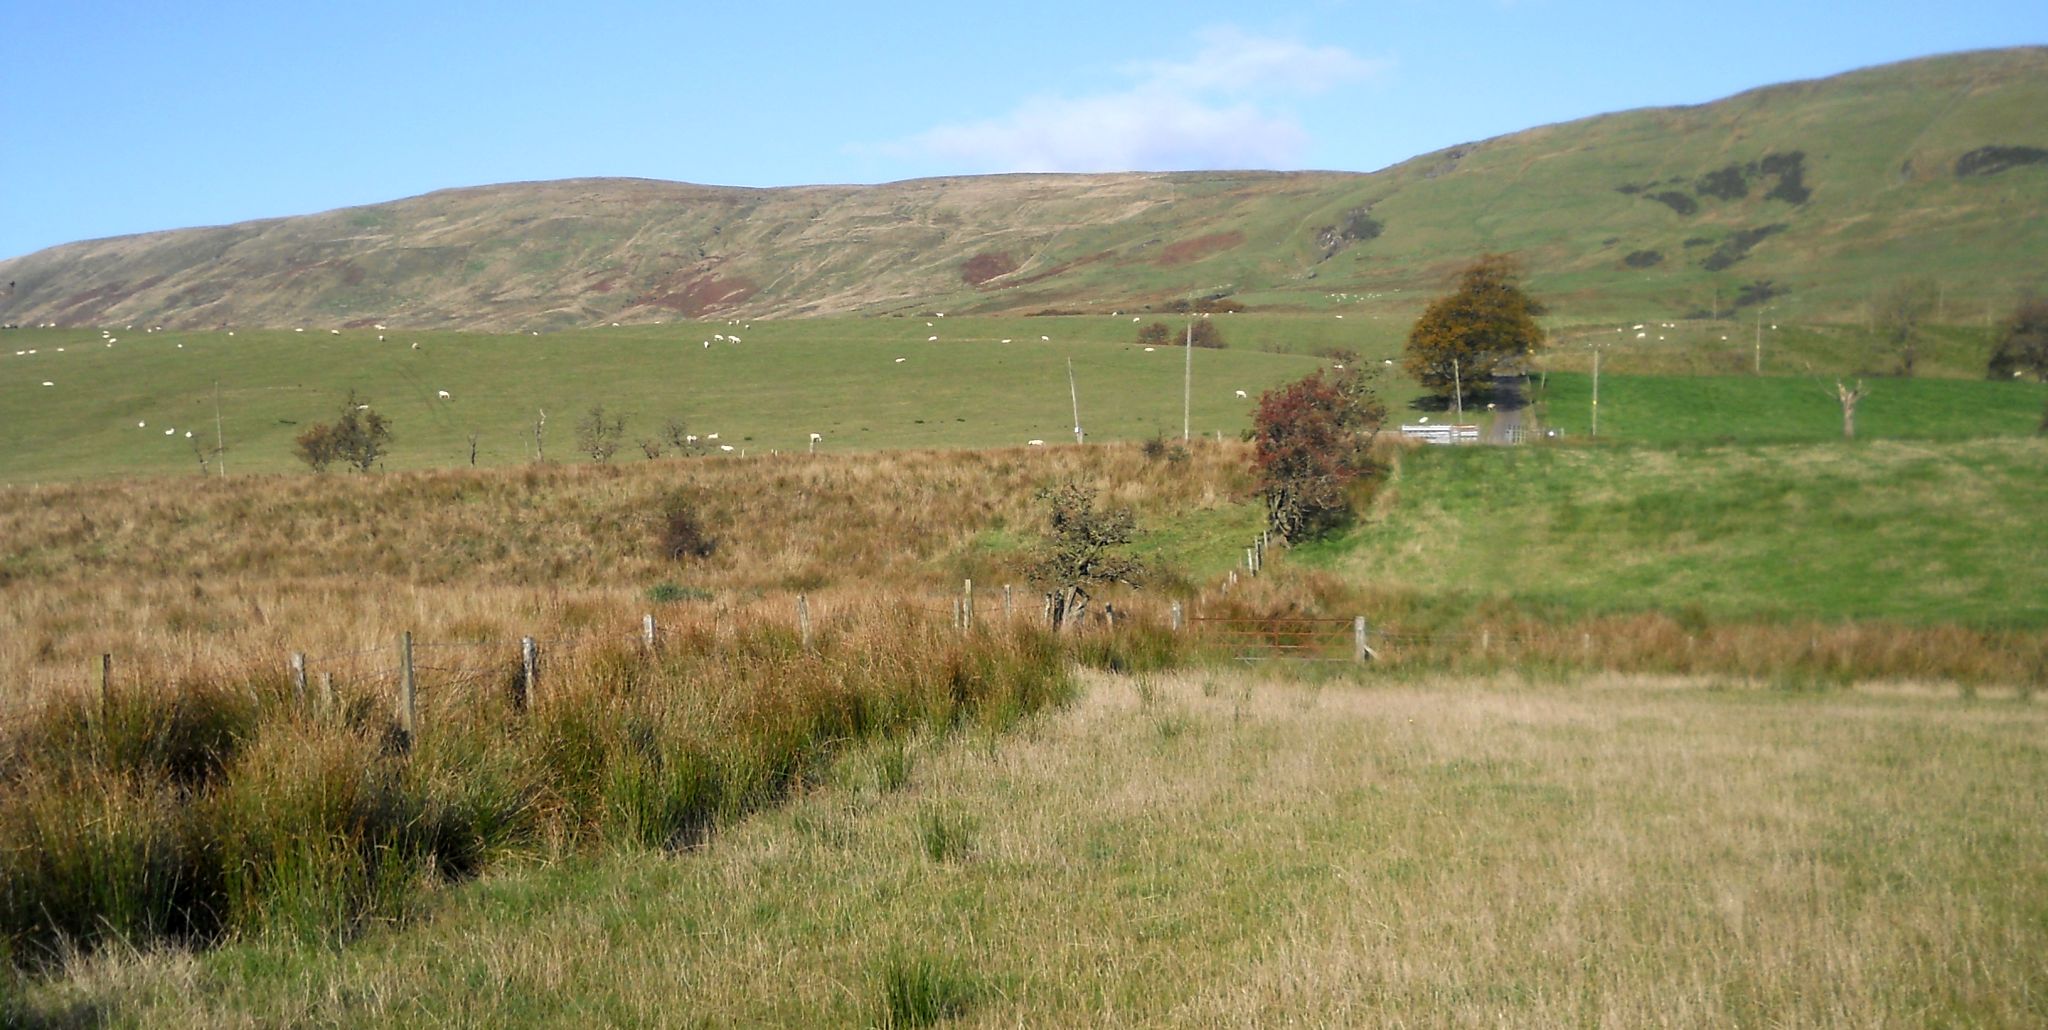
[213,809]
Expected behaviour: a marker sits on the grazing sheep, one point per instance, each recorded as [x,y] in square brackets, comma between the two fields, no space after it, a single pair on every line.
[1241,394]
[1034,443]
[725,447]
[443,395]
[931,339]
[901,360]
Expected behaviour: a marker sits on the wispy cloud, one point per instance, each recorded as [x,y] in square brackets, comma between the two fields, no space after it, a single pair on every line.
[1225,107]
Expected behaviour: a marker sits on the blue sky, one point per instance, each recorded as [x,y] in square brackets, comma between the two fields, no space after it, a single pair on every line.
[129,117]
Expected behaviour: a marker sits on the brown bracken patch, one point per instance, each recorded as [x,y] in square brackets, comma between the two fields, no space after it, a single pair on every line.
[985,266]
[1184,251]
[694,295]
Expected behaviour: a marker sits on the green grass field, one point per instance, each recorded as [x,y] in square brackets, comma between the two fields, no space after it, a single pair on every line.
[1219,849]
[1677,410]
[782,382]
[1929,532]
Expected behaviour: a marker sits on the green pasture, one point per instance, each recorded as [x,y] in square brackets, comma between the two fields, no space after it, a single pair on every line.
[839,378]
[1669,409]
[1919,531]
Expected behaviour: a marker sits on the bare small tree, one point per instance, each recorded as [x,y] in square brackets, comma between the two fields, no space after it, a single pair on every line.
[598,434]
[1079,553]
[1849,398]
[1900,311]
[674,434]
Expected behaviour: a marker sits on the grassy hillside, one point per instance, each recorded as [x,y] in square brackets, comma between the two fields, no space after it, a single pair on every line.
[1224,849]
[1827,190]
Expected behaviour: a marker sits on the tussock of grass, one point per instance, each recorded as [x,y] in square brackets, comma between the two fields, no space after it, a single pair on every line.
[213,810]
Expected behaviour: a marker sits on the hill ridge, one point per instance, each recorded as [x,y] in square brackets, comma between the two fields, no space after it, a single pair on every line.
[1815,189]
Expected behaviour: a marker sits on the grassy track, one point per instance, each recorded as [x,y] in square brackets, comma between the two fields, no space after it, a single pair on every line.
[1214,850]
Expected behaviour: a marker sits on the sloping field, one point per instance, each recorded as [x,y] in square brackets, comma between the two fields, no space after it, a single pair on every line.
[1214,849]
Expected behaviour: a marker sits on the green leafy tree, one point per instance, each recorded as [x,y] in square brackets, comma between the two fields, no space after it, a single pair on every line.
[1312,439]
[359,438]
[2022,347]
[1467,334]
[1080,553]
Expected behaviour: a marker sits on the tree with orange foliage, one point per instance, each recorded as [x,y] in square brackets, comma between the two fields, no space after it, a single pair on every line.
[1466,335]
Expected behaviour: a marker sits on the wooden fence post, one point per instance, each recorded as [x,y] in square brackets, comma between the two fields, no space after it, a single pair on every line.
[967,605]
[1176,615]
[803,620]
[106,684]
[529,673]
[1251,562]
[326,691]
[298,664]
[1360,650]
[408,693]
[1006,602]
[647,631]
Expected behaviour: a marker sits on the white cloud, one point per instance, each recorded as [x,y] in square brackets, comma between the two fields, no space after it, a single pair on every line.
[1226,107]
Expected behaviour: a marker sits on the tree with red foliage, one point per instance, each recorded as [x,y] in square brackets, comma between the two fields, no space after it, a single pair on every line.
[1312,437]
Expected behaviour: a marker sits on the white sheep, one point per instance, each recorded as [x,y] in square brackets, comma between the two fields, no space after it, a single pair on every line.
[443,394]
[725,447]
[1045,339]
[415,345]
[1006,341]
[1241,395]
[901,360]
[713,436]
[1034,443]
[335,332]
[1149,350]
[815,437]
[46,382]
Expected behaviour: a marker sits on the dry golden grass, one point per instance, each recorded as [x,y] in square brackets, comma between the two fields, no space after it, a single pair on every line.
[1207,849]
[189,579]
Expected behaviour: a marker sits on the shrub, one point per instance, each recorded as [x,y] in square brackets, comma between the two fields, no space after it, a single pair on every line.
[1312,438]
[682,533]
[598,434]
[359,438]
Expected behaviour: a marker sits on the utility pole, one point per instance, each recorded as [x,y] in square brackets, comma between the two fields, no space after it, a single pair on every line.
[1759,340]
[1458,389]
[1187,380]
[1075,391]
[1596,392]
[220,447]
